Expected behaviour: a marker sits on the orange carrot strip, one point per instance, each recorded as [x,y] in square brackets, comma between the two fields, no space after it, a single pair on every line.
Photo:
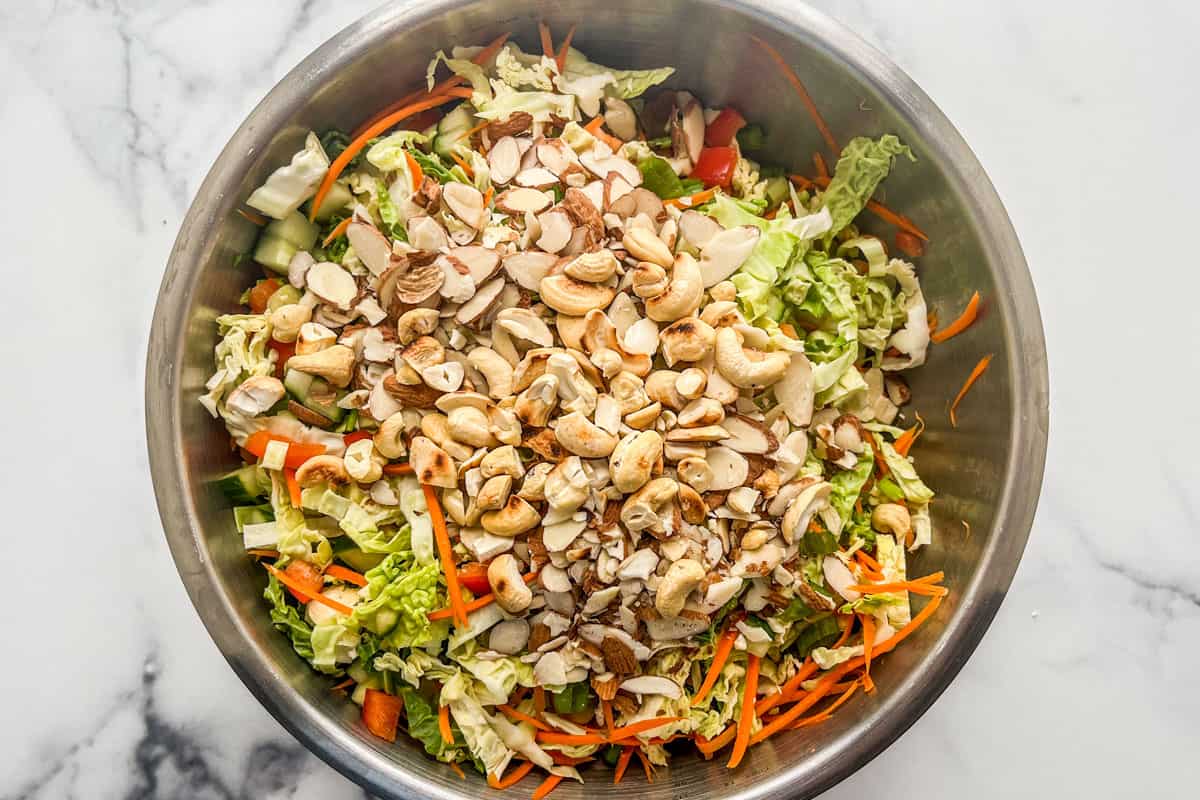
[487,196]
[568,761]
[720,656]
[257,219]
[979,369]
[823,686]
[356,146]
[901,586]
[868,560]
[874,206]
[606,710]
[787,690]
[338,230]
[805,97]
[635,728]
[474,130]
[845,633]
[868,626]
[961,324]
[521,716]
[539,700]
[710,746]
[474,605]
[933,577]
[462,776]
[622,764]
[561,58]
[346,684]
[646,765]
[513,778]
[692,200]
[596,128]
[828,712]
[465,166]
[346,574]
[418,175]
[293,487]
[819,166]
[442,536]
[742,741]
[547,42]
[397,469]
[554,737]
[906,440]
[444,724]
[547,786]
[263,553]
[296,586]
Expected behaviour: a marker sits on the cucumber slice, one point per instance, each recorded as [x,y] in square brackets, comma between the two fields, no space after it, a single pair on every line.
[274,253]
[314,394]
[338,199]
[294,228]
[777,190]
[284,295]
[359,561]
[244,485]
[252,515]
[451,129]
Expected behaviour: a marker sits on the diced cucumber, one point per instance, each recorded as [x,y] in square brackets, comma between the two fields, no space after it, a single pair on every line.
[451,129]
[297,383]
[359,561]
[777,190]
[294,228]
[244,485]
[314,394]
[274,253]
[338,199]
[252,515]
[284,295]
[260,535]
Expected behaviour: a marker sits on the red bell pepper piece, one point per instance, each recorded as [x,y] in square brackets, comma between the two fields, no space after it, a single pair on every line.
[720,131]
[474,577]
[715,166]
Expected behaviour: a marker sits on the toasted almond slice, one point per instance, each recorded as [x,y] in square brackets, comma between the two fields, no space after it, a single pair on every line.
[706,433]
[594,192]
[474,312]
[371,247]
[601,167]
[536,178]
[466,203]
[480,263]
[456,286]
[424,233]
[747,436]
[520,201]
[555,155]
[615,187]
[693,125]
[729,467]
[504,160]
[332,283]
[556,230]
[725,252]
[698,229]
[529,267]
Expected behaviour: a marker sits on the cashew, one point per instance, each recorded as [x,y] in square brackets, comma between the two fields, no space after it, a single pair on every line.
[688,339]
[648,280]
[447,377]
[533,488]
[424,351]
[566,486]
[448,402]
[389,439]
[800,511]
[255,395]
[722,314]
[570,330]
[633,460]
[573,297]
[502,461]
[660,385]
[691,382]
[416,322]
[643,418]
[691,505]
[432,464]
[313,338]
[335,364]
[286,321]
[644,245]
[725,290]
[892,518]
[470,426]
[508,585]
[494,492]
[596,267]
[323,469]
[581,436]
[514,518]
[496,371]
[536,403]
[682,295]
[641,509]
[629,391]
[608,361]
[748,368]
[701,411]
[437,428]
[682,577]
[695,472]
[575,391]
[361,463]
[504,425]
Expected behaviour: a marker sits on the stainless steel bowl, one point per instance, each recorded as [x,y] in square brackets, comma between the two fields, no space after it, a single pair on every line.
[987,472]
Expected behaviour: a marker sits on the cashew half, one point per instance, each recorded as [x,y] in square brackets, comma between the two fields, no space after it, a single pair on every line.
[508,585]
[581,436]
[416,322]
[682,577]
[432,464]
[323,469]
[470,426]
[389,439]
[286,321]
[255,395]
[502,461]
[496,371]
[641,509]
[687,339]
[748,368]
[644,245]
[660,386]
[633,460]
[335,364]
[515,518]
[683,294]
[574,297]
[892,518]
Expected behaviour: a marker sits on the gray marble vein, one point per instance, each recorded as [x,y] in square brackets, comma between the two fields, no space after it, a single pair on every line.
[1085,115]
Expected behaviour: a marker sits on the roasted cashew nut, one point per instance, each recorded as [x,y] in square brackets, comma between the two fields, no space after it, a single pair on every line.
[508,585]
[748,368]
[641,509]
[516,517]
[892,518]
[682,577]
[633,460]
[683,294]
[323,469]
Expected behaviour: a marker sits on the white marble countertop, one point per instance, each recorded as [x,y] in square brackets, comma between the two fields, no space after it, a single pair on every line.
[1085,115]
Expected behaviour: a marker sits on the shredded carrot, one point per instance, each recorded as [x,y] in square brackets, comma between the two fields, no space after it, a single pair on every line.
[874,206]
[462,776]
[646,765]
[635,728]
[596,128]
[720,656]
[263,553]
[547,42]
[622,764]
[868,626]
[547,786]
[561,58]
[746,721]
[474,130]
[845,633]
[444,724]
[293,487]
[906,440]
[787,690]
[474,605]
[606,710]
[710,746]
[521,716]
[338,230]
[901,586]
[346,574]
[346,684]
[961,324]
[418,175]
[909,244]
[539,700]
[979,369]
[826,683]
[802,182]
[513,778]
[257,219]
[692,200]
[356,146]
[397,469]
[554,737]
[465,166]
[819,166]
[847,693]
[868,560]
[933,577]
[487,196]
[805,97]
[296,586]
[442,536]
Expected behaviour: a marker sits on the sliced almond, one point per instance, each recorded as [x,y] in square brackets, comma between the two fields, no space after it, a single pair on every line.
[730,468]
[594,192]
[519,201]
[528,268]
[703,433]
[480,263]
[693,126]
[456,285]
[504,160]
[725,252]
[698,229]
[332,284]
[601,167]
[615,187]
[556,230]
[555,155]
[412,286]
[748,436]
[425,233]
[648,203]
[536,178]
[371,247]
[474,312]
[465,202]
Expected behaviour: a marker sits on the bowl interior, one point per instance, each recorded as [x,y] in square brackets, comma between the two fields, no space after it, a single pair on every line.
[986,472]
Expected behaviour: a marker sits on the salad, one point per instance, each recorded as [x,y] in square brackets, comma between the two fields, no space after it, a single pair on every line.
[572,431]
